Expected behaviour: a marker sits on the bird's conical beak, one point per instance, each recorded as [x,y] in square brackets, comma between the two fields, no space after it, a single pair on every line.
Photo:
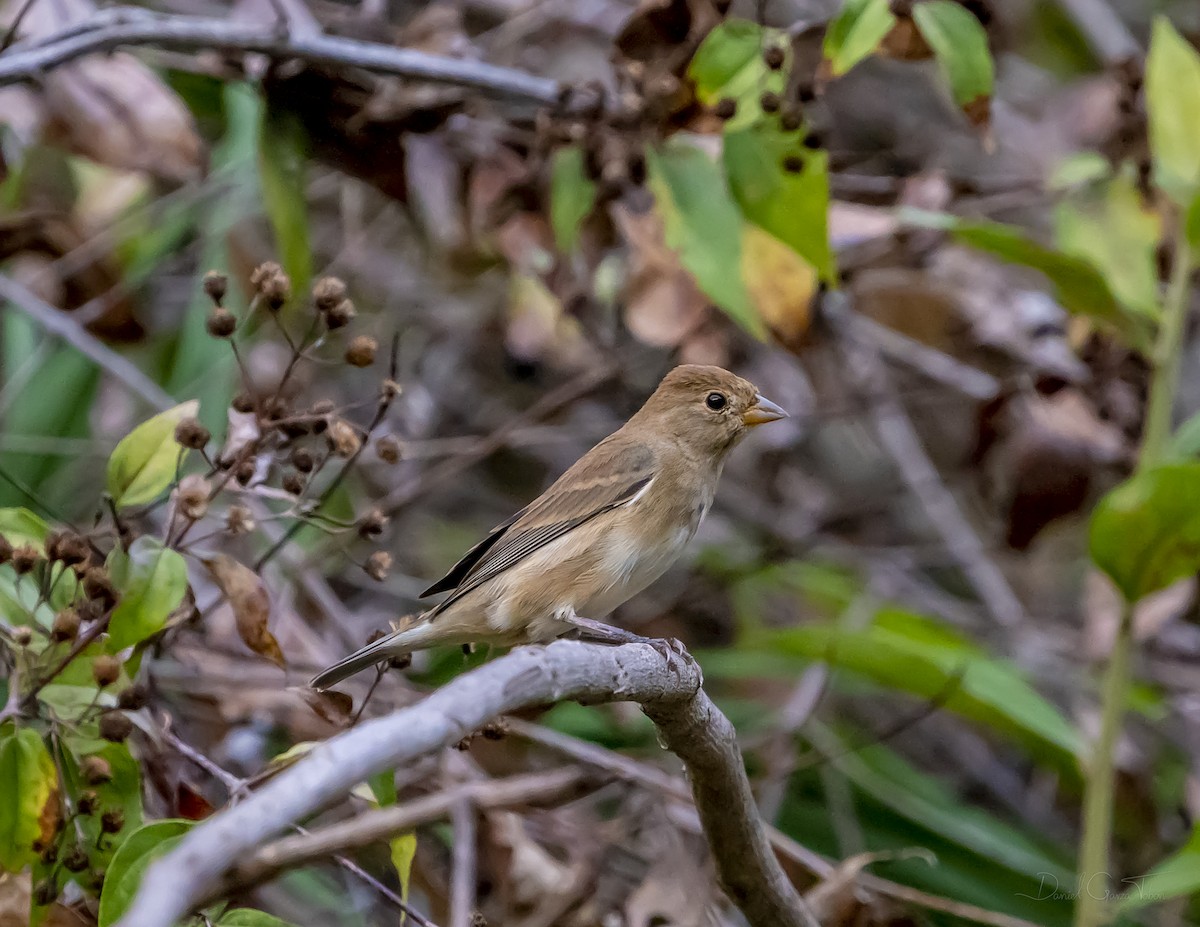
[762,411]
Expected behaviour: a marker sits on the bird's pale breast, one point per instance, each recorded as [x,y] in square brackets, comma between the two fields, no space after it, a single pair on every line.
[593,569]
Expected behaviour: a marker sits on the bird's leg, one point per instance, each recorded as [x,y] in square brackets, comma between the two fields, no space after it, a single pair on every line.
[601,633]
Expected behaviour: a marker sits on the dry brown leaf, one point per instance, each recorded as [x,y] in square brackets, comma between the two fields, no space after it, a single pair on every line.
[251,605]
[781,283]
[334,707]
[114,109]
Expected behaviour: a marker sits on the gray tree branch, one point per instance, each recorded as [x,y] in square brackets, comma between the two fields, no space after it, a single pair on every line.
[125,27]
[691,726]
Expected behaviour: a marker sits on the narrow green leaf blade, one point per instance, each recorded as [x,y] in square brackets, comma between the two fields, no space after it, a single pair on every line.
[282,161]
[29,783]
[572,197]
[1172,102]
[404,850]
[1145,534]
[130,862]
[1178,874]
[143,463]
[152,580]
[703,226]
[856,33]
[960,44]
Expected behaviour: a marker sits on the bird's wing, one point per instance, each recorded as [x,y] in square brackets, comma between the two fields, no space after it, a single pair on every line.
[609,475]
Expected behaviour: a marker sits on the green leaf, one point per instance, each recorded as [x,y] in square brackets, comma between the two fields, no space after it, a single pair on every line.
[383,787]
[572,197]
[404,850]
[729,63]
[960,44]
[129,863]
[21,602]
[1172,104]
[29,784]
[152,581]
[704,226]
[856,33]
[1178,874]
[911,653]
[1145,534]
[123,791]
[792,207]
[282,159]
[1078,285]
[922,799]
[144,462]
[21,526]
[248,917]
[1185,443]
[1108,225]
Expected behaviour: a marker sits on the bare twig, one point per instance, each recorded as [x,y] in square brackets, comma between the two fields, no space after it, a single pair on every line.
[689,723]
[122,28]
[899,438]
[62,326]
[462,877]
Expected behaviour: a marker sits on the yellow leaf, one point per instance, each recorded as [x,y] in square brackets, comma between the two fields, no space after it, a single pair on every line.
[780,282]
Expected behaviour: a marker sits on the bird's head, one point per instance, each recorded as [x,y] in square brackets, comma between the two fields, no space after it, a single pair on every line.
[709,409]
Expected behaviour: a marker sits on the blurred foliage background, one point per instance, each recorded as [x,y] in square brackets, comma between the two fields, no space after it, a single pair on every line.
[954,240]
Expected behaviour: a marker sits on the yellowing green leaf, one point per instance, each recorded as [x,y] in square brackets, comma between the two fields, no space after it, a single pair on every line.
[21,526]
[780,282]
[856,32]
[1172,105]
[1108,225]
[29,784]
[152,580]
[1145,534]
[960,44]
[794,207]
[404,849]
[703,225]
[572,197]
[729,63]
[143,463]
[130,863]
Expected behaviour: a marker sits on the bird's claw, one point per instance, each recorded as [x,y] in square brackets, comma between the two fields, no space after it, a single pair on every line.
[672,650]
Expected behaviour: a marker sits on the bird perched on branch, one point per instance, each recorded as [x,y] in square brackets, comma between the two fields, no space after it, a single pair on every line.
[605,530]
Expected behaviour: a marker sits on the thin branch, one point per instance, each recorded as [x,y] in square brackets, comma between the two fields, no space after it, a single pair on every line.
[462,878]
[688,722]
[369,827]
[123,28]
[899,438]
[62,326]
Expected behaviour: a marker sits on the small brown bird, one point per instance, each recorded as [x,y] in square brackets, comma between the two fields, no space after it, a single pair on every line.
[605,530]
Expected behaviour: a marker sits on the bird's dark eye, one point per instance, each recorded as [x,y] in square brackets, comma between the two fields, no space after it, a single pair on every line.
[716,401]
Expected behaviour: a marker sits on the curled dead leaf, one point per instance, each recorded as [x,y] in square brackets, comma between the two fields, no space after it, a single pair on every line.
[251,605]
[334,707]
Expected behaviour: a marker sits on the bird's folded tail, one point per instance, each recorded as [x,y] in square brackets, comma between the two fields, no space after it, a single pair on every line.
[415,633]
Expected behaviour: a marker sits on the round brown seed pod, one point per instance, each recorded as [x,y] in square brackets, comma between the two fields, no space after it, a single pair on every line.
[65,627]
[726,108]
[328,292]
[133,698]
[361,351]
[389,449]
[6,549]
[773,57]
[220,323]
[293,483]
[115,726]
[769,102]
[215,286]
[96,770]
[112,821]
[25,558]
[106,669]
[340,315]
[372,524]
[378,565]
[190,433]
